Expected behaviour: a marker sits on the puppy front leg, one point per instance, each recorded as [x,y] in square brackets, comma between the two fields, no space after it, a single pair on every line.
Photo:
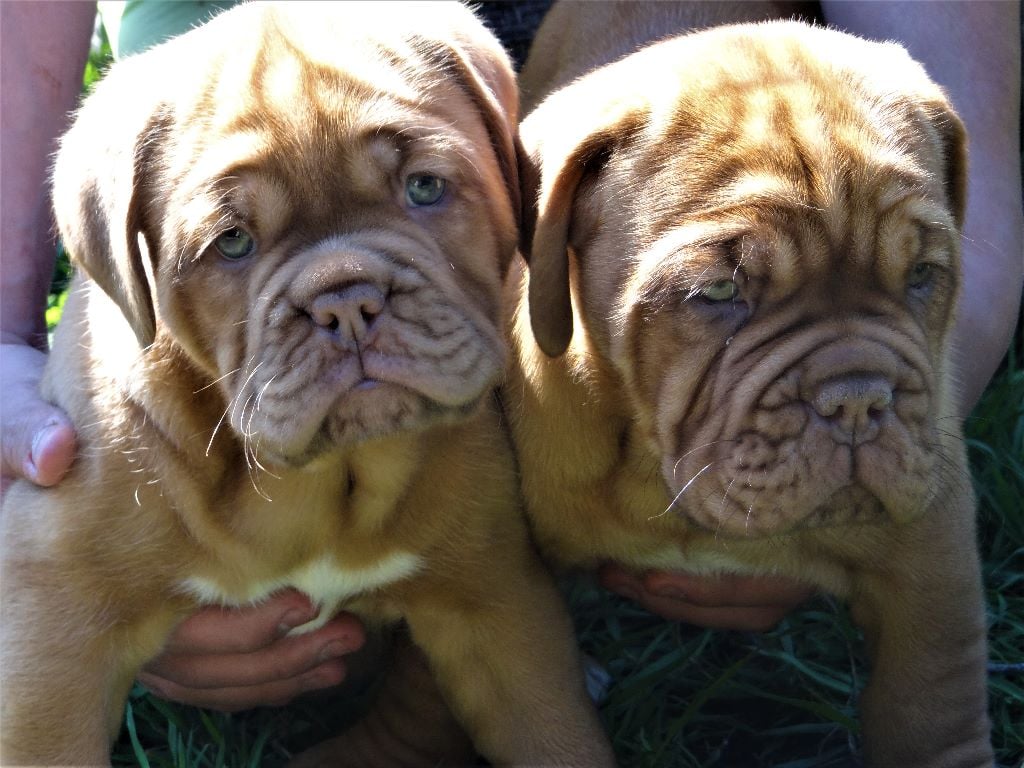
[66,668]
[923,618]
[506,660]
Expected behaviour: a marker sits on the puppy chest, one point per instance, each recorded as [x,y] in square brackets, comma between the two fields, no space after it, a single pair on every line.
[328,583]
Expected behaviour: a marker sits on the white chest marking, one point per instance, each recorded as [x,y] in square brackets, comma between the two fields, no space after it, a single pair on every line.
[327,584]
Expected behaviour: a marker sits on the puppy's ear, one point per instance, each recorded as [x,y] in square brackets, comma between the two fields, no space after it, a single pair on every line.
[562,147]
[953,140]
[930,117]
[100,185]
[466,51]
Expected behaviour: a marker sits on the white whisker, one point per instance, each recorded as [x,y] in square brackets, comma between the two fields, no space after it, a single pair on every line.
[683,490]
[217,380]
[698,448]
[230,408]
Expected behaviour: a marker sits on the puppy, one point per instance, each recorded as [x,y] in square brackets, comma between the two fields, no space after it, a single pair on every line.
[280,353]
[732,351]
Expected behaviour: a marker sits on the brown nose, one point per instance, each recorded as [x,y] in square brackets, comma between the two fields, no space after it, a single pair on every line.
[853,405]
[348,313]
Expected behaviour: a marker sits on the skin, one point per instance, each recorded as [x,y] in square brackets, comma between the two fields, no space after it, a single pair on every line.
[38,440]
[230,659]
[234,659]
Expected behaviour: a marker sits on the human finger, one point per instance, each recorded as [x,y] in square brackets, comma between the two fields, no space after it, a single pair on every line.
[221,630]
[37,441]
[234,698]
[719,603]
[287,657]
[727,590]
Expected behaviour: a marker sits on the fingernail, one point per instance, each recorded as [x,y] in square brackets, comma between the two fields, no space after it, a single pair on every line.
[149,683]
[295,618]
[325,676]
[38,440]
[334,650]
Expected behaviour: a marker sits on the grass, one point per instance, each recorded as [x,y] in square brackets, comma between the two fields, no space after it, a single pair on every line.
[682,697]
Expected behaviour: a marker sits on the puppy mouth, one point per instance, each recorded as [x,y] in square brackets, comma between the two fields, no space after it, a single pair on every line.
[374,407]
[755,486]
[366,385]
[359,361]
[850,505]
[367,409]
[837,431]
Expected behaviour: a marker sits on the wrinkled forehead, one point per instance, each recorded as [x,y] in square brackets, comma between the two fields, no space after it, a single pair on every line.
[807,158]
[306,119]
[311,122]
[287,82]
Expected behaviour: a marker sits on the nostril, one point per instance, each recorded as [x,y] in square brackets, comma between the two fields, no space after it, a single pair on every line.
[348,312]
[853,405]
[324,316]
[880,405]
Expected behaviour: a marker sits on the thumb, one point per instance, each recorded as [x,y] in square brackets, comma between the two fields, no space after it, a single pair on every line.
[38,444]
[37,440]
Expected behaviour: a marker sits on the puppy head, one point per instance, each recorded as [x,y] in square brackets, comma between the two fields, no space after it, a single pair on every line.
[763,246]
[318,208]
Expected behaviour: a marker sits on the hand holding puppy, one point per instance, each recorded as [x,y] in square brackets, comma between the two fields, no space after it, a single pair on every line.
[729,601]
[231,659]
[38,439]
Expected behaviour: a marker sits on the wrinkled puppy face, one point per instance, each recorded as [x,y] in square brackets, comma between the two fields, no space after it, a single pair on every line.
[779,246]
[327,224]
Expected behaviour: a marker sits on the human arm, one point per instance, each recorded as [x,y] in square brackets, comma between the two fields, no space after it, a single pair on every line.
[44,46]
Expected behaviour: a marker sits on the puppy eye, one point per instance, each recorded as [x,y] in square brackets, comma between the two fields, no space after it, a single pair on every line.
[720,290]
[423,189]
[920,275]
[234,244]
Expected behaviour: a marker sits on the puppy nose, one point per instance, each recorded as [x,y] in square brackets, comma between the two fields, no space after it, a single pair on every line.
[853,406]
[348,312]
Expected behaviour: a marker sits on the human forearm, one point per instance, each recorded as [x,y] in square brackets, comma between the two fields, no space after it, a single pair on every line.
[44,45]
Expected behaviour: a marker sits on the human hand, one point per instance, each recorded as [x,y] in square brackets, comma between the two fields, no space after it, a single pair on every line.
[238,658]
[752,603]
[38,440]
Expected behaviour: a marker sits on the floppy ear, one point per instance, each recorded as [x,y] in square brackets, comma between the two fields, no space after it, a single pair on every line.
[470,54]
[487,75]
[103,165]
[953,138]
[563,142]
[931,117]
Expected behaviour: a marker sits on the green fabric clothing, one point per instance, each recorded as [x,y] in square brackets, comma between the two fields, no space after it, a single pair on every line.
[135,25]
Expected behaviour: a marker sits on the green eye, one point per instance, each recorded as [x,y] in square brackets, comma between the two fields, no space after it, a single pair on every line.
[920,275]
[720,290]
[234,244]
[423,189]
